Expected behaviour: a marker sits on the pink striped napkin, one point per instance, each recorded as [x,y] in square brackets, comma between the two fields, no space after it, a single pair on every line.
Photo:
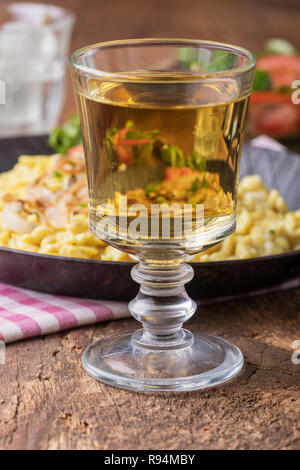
[25,313]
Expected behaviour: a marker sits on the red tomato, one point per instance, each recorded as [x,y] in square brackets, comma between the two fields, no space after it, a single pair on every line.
[123,146]
[173,173]
[269,97]
[75,150]
[279,121]
[283,69]
[124,152]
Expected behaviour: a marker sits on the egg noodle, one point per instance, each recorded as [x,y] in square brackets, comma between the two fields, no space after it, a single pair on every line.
[44,209]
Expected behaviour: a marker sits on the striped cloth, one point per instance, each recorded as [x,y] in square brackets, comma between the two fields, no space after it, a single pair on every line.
[25,313]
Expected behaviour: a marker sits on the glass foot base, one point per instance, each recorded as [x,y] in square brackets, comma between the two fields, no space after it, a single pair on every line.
[207,361]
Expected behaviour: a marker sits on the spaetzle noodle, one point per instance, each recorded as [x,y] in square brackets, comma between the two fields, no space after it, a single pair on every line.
[264,224]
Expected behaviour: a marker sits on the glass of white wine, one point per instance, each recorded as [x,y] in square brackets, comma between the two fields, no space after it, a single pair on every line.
[162,122]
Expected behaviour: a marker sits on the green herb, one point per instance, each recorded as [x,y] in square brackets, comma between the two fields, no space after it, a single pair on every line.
[196,162]
[188,55]
[272,232]
[196,185]
[152,134]
[63,138]
[191,58]
[220,61]
[141,151]
[135,134]
[109,145]
[130,135]
[57,174]
[172,155]
[109,138]
[204,183]
[37,215]
[262,81]
[151,189]
[279,46]
[83,204]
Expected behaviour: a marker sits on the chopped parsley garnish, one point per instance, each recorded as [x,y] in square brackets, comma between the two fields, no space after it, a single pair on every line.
[109,144]
[204,183]
[83,204]
[262,81]
[172,155]
[196,162]
[131,145]
[63,138]
[190,59]
[272,231]
[151,189]
[196,184]
[57,174]
[37,215]
[135,134]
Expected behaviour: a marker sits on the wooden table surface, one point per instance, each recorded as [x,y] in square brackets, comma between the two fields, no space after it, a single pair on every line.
[47,401]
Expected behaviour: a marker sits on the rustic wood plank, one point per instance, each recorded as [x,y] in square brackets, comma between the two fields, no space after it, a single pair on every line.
[47,401]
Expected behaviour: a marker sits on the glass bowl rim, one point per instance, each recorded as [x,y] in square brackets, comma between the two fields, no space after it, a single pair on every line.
[250,63]
[68,16]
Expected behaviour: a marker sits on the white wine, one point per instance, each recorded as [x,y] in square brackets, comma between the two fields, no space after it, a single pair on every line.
[162,145]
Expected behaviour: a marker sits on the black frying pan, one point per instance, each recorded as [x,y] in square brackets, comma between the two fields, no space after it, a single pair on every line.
[111,280]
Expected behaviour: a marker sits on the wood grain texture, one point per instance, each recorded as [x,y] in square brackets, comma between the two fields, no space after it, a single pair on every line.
[47,401]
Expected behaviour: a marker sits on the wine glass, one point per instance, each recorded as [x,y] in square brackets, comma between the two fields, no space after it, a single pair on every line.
[162,122]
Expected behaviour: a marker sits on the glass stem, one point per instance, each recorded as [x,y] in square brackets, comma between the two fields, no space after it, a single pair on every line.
[162,306]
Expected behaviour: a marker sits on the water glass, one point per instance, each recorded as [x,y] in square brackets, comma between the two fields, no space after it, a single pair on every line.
[34,44]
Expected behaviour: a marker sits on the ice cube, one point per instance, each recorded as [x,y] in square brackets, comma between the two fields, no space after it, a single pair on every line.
[27,40]
[48,43]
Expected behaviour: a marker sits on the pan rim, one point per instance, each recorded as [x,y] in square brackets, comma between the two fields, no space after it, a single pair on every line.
[287,254]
